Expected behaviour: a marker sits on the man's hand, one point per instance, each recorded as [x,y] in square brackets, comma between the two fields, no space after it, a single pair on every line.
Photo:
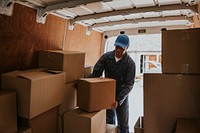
[114,106]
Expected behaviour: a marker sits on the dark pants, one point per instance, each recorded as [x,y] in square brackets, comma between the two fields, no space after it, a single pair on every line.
[122,115]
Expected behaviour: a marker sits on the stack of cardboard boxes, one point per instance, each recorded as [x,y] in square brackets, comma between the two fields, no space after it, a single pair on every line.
[44,100]
[173,96]
[94,95]
[38,93]
[72,63]
[35,90]
[85,100]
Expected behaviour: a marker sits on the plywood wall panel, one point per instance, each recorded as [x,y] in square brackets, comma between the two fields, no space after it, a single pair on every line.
[21,37]
[77,40]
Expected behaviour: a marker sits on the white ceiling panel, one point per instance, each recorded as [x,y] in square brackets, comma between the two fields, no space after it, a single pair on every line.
[150,14]
[79,11]
[169,2]
[187,13]
[94,21]
[115,18]
[98,7]
[101,20]
[65,13]
[143,3]
[120,4]
[174,22]
[87,22]
[171,13]
[145,24]
[134,16]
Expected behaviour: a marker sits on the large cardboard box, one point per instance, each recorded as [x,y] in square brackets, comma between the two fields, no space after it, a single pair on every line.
[168,97]
[8,112]
[70,98]
[79,121]
[71,62]
[94,94]
[180,51]
[110,128]
[187,125]
[46,122]
[138,127]
[37,91]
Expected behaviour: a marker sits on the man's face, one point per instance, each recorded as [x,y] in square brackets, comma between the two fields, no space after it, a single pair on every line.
[119,51]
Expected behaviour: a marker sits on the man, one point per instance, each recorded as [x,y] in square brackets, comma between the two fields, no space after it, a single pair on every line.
[118,65]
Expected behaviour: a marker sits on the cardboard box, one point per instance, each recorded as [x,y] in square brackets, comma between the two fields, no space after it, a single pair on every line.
[94,94]
[37,91]
[110,128]
[70,98]
[71,62]
[180,51]
[8,112]
[188,125]
[168,97]
[79,121]
[45,123]
[138,128]
[87,71]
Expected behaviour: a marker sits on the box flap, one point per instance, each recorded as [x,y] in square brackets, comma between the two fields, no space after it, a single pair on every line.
[12,74]
[33,75]
[52,71]
[64,52]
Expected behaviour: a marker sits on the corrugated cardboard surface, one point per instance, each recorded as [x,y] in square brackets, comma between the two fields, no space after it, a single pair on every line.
[50,59]
[181,51]
[168,97]
[8,112]
[44,123]
[188,125]
[94,94]
[37,91]
[71,62]
[70,98]
[111,128]
[79,121]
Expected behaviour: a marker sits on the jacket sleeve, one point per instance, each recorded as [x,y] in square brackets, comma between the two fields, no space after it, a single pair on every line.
[128,84]
[98,67]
